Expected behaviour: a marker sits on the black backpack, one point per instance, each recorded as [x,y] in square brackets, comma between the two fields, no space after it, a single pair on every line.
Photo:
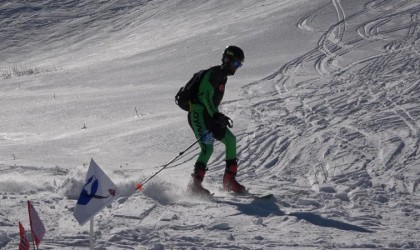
[189,92]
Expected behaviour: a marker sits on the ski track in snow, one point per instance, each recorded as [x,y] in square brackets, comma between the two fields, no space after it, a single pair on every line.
[349,106]
[333,134]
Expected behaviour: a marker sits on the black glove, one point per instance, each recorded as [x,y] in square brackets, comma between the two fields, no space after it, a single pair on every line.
[219,124]
[220,120]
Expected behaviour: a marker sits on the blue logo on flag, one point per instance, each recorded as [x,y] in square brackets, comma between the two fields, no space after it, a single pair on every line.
[89,190]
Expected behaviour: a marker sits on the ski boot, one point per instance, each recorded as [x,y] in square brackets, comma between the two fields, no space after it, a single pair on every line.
[229,181]
[194,187]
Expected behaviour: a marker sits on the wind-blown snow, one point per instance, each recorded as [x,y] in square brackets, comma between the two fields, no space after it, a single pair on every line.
[326,113]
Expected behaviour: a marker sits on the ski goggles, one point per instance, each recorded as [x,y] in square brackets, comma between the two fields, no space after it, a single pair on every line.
[236,63]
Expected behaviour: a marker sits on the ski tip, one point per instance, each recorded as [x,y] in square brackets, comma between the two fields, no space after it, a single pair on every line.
[266,196]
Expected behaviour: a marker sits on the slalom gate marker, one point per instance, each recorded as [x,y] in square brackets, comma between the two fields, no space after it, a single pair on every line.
[97,192]
[37,227]
[24,242]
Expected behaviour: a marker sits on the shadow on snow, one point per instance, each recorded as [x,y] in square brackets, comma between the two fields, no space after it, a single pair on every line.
[268,207]
[323,222]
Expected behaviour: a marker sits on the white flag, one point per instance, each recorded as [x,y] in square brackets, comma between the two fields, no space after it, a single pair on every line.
[37,227]
[97,192]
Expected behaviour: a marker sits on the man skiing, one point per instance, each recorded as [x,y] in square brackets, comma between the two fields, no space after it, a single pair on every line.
[208,123]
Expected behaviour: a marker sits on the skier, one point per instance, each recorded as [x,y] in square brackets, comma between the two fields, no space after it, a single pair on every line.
[204,117]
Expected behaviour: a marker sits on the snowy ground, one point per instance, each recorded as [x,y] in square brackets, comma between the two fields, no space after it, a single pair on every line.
[326,112]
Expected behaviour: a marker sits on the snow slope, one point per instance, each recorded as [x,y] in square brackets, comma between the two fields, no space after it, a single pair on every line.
[326,113]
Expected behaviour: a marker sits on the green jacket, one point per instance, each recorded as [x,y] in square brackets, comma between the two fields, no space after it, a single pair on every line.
[212,89]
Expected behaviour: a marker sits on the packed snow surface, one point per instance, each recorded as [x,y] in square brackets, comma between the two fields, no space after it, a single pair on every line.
[326,113]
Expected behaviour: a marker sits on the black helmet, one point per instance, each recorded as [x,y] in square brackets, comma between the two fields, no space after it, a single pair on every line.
[234,52]
[232,59]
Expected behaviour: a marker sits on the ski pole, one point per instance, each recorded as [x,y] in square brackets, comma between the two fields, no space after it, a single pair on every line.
[139,185]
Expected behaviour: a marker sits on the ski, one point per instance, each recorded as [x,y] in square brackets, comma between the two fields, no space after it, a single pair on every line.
[245,195]
[252,196]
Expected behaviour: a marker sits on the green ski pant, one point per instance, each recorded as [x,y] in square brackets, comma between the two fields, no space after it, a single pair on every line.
[199,121]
